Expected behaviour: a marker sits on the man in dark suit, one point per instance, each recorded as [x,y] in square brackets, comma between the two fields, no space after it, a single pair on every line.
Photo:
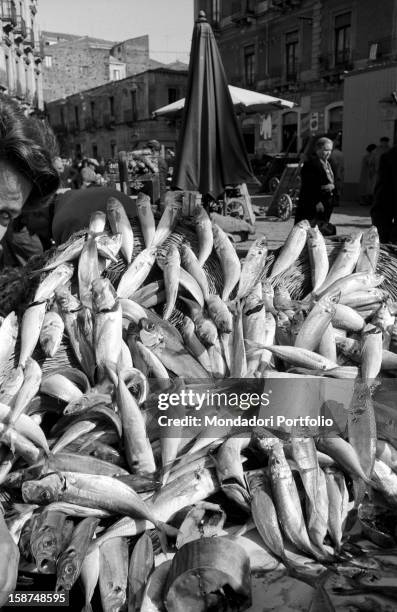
[384,211]
[318,185]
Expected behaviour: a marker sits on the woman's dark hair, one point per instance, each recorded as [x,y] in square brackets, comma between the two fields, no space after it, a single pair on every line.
[30,145]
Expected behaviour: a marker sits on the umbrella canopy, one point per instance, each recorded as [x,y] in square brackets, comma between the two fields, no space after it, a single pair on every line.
[211,152]
[243,100]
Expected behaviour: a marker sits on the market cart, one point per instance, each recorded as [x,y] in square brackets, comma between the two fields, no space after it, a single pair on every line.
[287,192]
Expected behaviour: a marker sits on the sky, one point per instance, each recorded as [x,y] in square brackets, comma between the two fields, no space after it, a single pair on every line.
[169,23]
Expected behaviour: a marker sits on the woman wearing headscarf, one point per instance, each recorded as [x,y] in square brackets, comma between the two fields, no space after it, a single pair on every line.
[318,185]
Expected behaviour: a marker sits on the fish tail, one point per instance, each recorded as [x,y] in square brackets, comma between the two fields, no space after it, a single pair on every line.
[87,607]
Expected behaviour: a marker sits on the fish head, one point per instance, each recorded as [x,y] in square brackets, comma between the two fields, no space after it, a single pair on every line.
[67,570]
[150,334]
[267,288]
[44,490]
[104,295]
[143,201]
[252,303]
[65,300]
[172,256]
[277,461]
[113,205]
[207,331]
[304,225]
[238,494]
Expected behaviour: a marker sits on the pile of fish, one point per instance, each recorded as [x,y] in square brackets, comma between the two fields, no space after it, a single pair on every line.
[92,492]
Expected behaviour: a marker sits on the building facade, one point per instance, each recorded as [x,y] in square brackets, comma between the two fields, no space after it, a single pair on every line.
[20,56]
[75,63]
[116,116]
[301,50]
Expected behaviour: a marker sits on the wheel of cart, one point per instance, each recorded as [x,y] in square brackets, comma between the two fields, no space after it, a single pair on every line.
[237,203]
[287,193]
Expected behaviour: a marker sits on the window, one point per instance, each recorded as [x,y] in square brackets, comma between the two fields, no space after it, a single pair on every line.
[76,116]
[134,106]
[92,110]
[250,6]
[342,39]
[111,105]
[335,120]
[48,61]
[290,133]
[291,55]
[95,151]
[216,10]
[249,65]
[116,75]
[172,95]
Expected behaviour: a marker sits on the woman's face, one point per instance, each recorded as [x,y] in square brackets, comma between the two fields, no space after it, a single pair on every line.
[14,191]
[325,151]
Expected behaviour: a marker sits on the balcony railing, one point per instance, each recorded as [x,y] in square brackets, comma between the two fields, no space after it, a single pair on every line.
[8,13]
[333,62]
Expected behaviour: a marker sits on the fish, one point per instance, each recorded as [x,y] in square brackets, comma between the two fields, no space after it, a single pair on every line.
[137,272]
[252,268]
[327,346]
[113,574]
[338,498]
[172,263]
[169,218]
[205,328]
[137,447]
[344,454]
[11,385]
[65,253]
[88,271]
[191,264]
[109,246]
[315,324]
[361,429]
[8,337]
[93,491]
[140,567]
[152,600]
[238,357]
[318,257]
[78,462]
[304,454]
[97,222]
[203,227]
[191,341]
[146,218]
[302,357]
[26,426]
[371,354]
[385,481]
[32,322]
[61,387]
[292,248]
[51,333]
[286,500]
[150,295]
[254,300]
[89,576]
[255,329]
[107,327]
[56,278]
[268,297]
[347,285]
[71,559]
[49,531]
[29,388]
[228,258]
[120,224]
[346,318]
[318,524]
[345,261]
[386,453]
[265,515]
[9,563]
[219,313]
[364,298]
[370,251]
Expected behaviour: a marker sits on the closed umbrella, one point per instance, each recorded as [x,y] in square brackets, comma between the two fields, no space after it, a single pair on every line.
[211,152]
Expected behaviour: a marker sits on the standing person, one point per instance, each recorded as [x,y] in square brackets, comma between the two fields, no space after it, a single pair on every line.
[383,147]
[318,185]
[162,165]
[368,176]
[384,210]
[338,168]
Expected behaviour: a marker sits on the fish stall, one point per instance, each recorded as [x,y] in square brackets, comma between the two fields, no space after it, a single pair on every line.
[123,486]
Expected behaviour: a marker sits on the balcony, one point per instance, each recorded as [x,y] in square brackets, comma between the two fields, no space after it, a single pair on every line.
[336,63]
[284,6]
[20,30]
[242,13]
[8,15]
[29,41]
